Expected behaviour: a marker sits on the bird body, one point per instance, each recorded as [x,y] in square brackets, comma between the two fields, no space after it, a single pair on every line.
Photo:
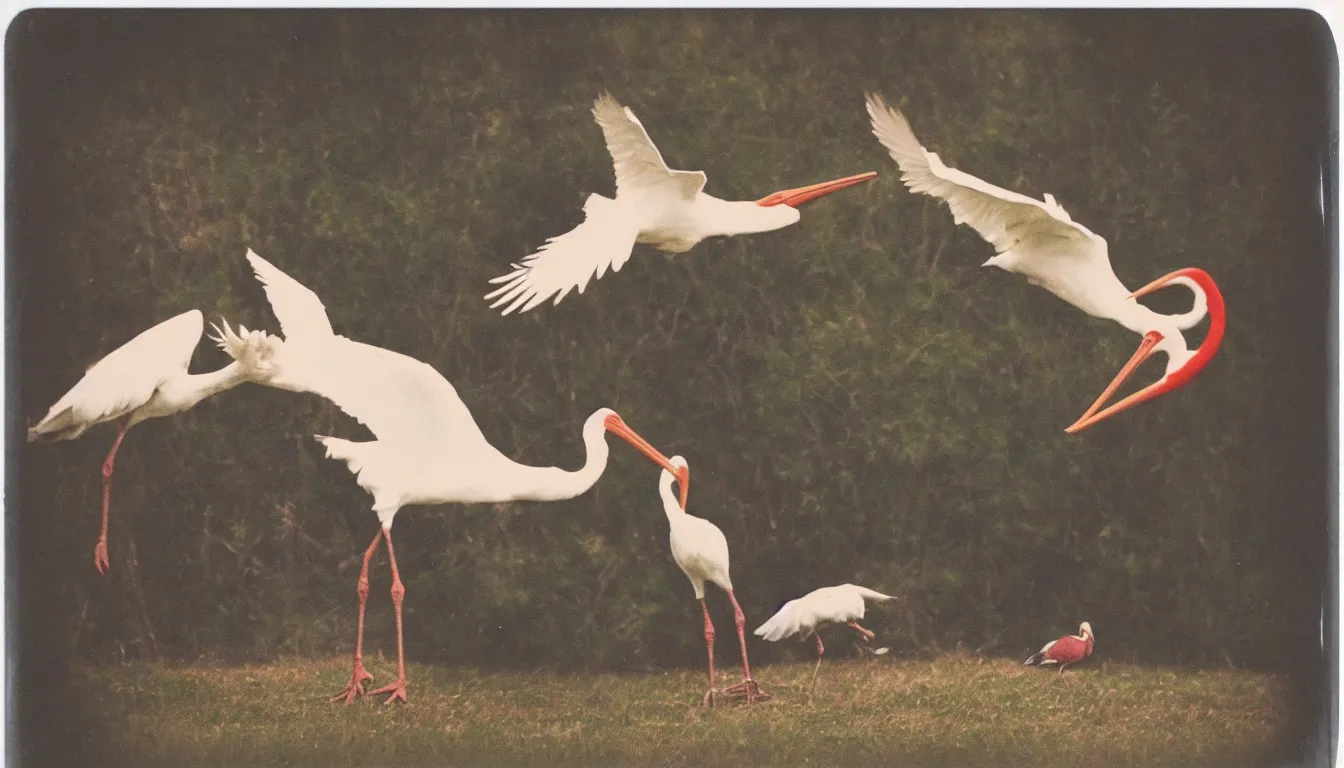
[1040,241]
[701,551]
[145,378]
[654,205]
[428,450]
[828,605]
[1065,650]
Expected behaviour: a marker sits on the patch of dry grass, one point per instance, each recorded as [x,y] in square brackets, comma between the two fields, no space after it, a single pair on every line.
[950,711]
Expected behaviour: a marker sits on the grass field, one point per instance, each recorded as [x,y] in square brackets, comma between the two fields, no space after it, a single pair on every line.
[874,711]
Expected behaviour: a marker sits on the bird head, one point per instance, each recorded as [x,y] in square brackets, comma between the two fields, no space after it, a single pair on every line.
[613,423]
[1085,629]
[1184,367]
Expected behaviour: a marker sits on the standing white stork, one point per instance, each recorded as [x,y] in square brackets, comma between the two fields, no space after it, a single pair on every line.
[145,378]
[701,551]
[654,205]
[828,605]
[1041,242]
[429,449]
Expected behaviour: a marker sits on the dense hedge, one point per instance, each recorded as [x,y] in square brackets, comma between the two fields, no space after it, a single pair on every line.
[859,401]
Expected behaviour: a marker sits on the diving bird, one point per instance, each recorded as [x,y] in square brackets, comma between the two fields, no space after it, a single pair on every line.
[1038,239]
[428,448]
[828,605]
[1064,651]
[654,205]
[145,378]
[701,552]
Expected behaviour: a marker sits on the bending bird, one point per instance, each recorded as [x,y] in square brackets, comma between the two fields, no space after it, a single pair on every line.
[828,605]
[654,205]
[145,378]
[428,448]
[1038,239]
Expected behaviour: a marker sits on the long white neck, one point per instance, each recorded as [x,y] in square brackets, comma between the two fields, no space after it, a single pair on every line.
[187,390]
[671,505]
[554,484]
[723,217]
[1140,319]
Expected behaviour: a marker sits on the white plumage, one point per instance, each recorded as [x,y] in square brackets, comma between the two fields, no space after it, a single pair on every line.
[843,604]
[701,551]
[1039,240]
[654,205]
[145,378]
[429,449]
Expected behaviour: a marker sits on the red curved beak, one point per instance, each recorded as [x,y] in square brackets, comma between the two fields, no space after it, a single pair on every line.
[796,197]
[1178,378]
[617,426]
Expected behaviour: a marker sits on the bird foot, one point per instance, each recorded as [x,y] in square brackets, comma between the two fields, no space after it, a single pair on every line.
[397,688]
[355,688]
[748,688]
[100,560]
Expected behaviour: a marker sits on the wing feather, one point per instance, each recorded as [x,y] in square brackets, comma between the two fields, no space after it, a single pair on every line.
[1000,216]
[639,164]
[566,263]
[300,312]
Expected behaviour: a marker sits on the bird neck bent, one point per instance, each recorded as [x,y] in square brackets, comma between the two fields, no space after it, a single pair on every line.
[671,504]
[185,391]
[554,484]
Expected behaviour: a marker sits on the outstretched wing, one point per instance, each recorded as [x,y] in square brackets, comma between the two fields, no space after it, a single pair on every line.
[124,380]
[1002,217]
[639,164]
[565,263]
[786,622]
[300,312]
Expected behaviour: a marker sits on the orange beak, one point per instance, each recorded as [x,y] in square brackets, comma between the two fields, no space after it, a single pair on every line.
[796,197]
[616,425]
[1178,378]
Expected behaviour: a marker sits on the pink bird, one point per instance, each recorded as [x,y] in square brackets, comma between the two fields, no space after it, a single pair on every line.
[1064,651]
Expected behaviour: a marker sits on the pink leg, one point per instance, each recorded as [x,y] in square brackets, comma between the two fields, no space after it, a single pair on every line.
[100,560]
[397,687]
[747,685]
[709,644]
[355,688]
[820,650]
[866,634]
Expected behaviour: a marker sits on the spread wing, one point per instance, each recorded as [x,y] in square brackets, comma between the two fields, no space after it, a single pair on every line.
[565,263]
[300,312]
[1002,217]
[639,164]
[124,380]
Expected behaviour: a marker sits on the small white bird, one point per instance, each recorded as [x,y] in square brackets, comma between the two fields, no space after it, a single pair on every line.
[828,605]
[654,205]
[701,552]
[429,449]
[145,378]
[1038,239]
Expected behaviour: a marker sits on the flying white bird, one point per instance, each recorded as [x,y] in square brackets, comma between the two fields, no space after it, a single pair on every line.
[828,605]
[654,205]
[1064,651]
[701,552]
[429,449]
[145,378]
[1038,239]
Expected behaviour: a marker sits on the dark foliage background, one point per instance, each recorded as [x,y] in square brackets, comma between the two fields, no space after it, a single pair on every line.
[858,399]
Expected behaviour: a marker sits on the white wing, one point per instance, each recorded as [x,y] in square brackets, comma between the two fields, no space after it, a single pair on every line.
[639,164]
[124,380]
[787,622]
[605,239]
[300,312]
[399,398]
[1002,217]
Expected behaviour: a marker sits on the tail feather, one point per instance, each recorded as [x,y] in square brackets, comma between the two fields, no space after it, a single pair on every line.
[872,594]
[255,351]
